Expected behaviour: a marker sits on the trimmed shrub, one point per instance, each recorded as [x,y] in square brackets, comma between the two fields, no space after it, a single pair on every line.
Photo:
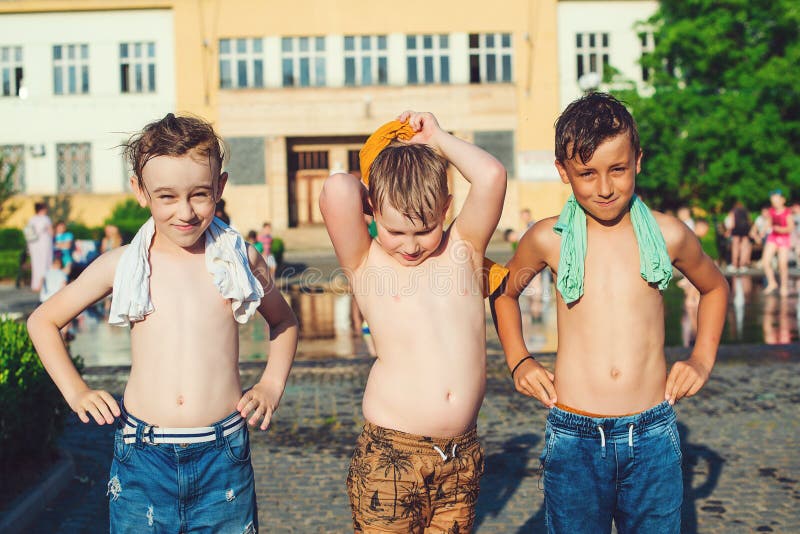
[81,231]
[9,263]
[12,239]
[128,216]
[31,407]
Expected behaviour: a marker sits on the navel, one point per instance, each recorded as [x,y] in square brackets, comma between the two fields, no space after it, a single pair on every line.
[615,372]
[180,400]
[450,396]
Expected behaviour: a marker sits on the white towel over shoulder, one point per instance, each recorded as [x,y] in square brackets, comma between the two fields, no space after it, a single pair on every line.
[226,260]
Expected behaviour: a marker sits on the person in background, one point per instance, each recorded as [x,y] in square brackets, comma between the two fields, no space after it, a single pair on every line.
[265,238]
[781,227]
[252,238]
[685,216]
[111,239]
[39,237]
[220,212]
[54,280]
[737,228]
[64,241]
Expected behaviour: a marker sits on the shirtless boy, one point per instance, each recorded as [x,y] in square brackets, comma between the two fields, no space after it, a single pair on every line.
[181,448]
[611,443]
[417,464]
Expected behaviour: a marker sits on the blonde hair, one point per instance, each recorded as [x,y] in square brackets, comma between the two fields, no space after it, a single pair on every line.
[412,179]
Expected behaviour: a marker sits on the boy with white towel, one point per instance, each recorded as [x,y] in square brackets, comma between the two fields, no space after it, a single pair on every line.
[181,448]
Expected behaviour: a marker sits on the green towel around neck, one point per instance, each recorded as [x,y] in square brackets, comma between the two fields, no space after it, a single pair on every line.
[654,262]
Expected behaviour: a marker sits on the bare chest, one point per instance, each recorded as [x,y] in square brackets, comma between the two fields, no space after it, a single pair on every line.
[187,288]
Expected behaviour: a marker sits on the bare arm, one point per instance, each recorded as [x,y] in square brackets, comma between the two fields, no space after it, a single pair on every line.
[263,398]
[687,377]
[44,326]
[530,378]
[487,177]
[343,203]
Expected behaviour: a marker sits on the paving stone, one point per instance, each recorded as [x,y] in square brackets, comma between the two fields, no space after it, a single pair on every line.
[741,467]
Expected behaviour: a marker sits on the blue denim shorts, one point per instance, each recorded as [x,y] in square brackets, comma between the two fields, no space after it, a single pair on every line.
[626,469]
[205,486]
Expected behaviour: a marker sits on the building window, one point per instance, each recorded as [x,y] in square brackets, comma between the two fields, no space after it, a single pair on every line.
[365,60]
[12,161]
[137,67]
[592,53]
[303,61]
[428,59]
[74,167]
[647,39]
[71,69]
[490,57]
[11,70]
[241,63]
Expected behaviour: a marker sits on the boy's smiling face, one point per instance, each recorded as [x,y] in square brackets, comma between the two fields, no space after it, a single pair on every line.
[181,193]
[604,185]
[407,240]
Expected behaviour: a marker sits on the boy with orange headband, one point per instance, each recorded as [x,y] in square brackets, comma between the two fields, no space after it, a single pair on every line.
[418,462]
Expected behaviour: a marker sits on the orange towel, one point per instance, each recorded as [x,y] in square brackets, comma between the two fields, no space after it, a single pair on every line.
[494,275]
[380,140]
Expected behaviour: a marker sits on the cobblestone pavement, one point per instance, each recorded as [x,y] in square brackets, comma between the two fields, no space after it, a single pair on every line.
[739,440]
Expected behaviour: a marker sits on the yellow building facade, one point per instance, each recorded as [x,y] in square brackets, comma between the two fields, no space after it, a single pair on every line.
[296,87]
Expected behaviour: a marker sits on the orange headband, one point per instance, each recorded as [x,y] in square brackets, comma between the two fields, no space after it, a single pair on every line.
[379,140]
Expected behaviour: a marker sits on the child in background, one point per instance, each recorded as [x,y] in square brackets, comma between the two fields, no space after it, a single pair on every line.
[54,279]
[265,238]
[64,241]
[252,238]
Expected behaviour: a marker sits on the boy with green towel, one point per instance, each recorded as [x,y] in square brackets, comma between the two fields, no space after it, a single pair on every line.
[611,448]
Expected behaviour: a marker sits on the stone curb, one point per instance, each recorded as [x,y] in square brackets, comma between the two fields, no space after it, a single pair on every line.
[24,513]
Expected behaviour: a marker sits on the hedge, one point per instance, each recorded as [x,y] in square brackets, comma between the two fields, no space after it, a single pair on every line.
[31,407]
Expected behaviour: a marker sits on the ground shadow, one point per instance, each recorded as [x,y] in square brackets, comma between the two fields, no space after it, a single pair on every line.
[503,473]
[701,470]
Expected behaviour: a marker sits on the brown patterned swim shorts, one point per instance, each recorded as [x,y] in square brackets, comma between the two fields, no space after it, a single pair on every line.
[401,482]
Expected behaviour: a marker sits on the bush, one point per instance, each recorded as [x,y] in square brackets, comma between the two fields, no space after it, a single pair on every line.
[128,216]
[277,249]
[31,407]
[81,231]
[12,239]
[9,263]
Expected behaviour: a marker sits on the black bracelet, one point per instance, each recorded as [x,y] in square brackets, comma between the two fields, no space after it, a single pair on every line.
[514,370]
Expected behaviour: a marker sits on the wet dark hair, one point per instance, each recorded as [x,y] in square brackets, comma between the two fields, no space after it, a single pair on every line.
[588,122]
[39,206]
[173,136]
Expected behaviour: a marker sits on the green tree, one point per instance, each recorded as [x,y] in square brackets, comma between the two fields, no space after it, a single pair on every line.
[721,119]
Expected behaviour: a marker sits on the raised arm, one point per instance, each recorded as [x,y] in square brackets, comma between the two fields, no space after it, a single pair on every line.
[530,378]
[343,203]
[480,214]
[44,326]
[687,377]
[263,398]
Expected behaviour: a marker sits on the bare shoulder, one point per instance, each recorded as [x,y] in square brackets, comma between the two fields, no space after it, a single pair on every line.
[106,264]
[542,236]
[675,232]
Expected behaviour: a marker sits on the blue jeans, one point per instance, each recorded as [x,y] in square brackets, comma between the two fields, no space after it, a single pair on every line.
[623,468]
[171,488]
